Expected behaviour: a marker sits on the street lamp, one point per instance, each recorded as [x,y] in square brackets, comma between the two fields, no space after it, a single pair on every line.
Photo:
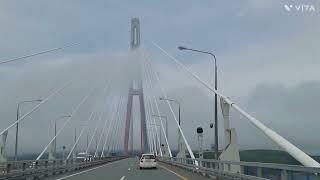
[87,140]
[200,141]
[180,146]
[154,125]
[75,139]
[17,125]
[55,131]
[165,117]
[173,100]
[63,152]
[215,95]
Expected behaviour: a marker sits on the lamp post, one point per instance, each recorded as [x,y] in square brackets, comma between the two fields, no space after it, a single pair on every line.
[179,111]
[154,125]
[165,117]
[215,95]
[55,131]
[75,140]
[87,140]
[63,152]
[75,136]
[200,141]
[173,100]
[17,125]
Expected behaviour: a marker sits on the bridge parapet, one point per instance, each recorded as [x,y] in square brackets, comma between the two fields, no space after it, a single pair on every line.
[249,170]
[42,168]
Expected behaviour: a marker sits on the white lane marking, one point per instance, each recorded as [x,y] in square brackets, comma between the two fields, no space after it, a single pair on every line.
[88,170]
[180,176]
[122,178]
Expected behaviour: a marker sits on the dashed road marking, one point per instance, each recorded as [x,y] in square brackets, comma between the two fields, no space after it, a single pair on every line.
[180,176]
[122,178]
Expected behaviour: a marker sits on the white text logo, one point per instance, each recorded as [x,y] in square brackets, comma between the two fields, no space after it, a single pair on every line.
[303,8]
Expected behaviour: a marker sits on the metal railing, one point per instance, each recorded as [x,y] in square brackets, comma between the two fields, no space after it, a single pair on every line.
[42,168]
[248,170]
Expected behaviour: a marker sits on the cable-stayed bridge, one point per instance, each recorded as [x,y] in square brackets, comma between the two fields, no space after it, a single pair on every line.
[109,151]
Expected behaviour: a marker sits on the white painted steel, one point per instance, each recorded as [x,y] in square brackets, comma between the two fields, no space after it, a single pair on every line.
[56,91]
[152,133]
[111,124]
[104,127]
[154,122]
[172,112]
[97,124]
[298,154]
[114,129]
[84,99]
[91,117]
[148,75]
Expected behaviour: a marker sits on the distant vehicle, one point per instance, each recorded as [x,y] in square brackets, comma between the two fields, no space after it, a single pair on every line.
[90,158]
[32,165]
[148,161]
[82,156]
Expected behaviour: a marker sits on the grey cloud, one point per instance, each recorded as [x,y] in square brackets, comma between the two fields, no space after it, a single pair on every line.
[37,78]
[262,46]
[290,111]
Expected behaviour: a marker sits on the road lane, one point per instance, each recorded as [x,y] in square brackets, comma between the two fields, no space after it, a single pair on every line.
[128,169]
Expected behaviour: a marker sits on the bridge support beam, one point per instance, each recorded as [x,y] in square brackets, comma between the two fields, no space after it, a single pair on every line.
[3,147]
[230,151]
[181,147]
[51,155]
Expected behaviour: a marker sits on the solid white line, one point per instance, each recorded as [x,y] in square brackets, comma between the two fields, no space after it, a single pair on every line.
[88,170]
[122,178]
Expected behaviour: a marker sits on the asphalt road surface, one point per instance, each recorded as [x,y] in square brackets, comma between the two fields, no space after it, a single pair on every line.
[128,169]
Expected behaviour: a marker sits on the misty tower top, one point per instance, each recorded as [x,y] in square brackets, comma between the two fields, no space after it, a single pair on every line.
[135,33]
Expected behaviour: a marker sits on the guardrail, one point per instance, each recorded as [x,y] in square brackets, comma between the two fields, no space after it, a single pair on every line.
[43,168]
[248,170]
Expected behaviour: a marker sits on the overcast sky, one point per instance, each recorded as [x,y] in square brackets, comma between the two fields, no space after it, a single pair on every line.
[268,63]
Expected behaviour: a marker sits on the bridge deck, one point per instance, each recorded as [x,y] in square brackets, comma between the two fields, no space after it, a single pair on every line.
[129,169]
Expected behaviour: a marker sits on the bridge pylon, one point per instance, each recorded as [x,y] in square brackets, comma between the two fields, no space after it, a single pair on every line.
[135,91]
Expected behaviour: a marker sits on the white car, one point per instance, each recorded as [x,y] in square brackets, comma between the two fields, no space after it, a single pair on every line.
[148,161]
